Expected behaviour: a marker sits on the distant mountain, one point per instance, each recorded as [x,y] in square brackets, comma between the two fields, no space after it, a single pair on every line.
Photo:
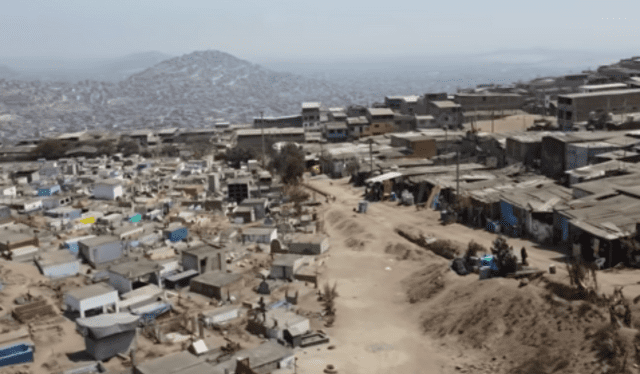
[188,91]
[222,85]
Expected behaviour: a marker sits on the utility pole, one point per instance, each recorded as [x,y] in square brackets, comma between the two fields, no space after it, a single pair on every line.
[262,133]
[458,179]
[371,155]
[446,142]
[321,155]
[492,116]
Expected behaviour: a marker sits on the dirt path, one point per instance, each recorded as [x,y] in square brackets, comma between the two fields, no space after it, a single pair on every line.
[376,330]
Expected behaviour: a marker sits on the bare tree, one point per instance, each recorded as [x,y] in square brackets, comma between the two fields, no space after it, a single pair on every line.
[583,276]
[329,295]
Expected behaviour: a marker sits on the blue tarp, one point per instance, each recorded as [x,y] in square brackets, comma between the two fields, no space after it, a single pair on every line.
[564,224]
[506,213]
[151,312]
[493,226]
[73,247]
[436,202]
[489,261]
[178,235]
[18,353]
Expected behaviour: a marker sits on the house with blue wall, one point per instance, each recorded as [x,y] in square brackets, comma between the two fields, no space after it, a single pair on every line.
[64,213]
[72,244]
[175,232]
[49,190]
[528,209]
[336,131]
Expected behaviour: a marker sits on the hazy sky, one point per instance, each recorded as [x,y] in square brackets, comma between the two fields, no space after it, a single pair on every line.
[293,30]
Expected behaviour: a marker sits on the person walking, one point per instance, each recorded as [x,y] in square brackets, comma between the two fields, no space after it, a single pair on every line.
[523,255]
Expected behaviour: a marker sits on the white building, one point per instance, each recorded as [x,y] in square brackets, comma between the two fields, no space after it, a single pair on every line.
[311,116]
[107,190]
[221,315]
[28,206]
[259,234]
[95,296]
[8,191]
[279,320]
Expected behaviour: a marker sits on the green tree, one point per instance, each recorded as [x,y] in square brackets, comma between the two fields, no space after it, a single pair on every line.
[128,147]
[289,164]
[50,149]
[170,151]
[235,156]
[201,149]
[106,147]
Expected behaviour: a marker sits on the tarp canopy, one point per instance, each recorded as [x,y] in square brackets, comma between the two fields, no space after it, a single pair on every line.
[105,325]
[489,261]
[384,177]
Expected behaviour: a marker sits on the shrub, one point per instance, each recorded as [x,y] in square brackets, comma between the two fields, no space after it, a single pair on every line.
[50,149]
[473,249]
[610,348]
[289,163]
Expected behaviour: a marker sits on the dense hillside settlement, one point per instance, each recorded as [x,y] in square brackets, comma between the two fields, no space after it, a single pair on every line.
[208,215]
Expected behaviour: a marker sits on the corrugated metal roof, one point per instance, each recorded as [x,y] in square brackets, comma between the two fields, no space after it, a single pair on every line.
[384,177]
[380,111]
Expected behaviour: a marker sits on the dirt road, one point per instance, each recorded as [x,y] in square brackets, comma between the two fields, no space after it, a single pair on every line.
[376,330]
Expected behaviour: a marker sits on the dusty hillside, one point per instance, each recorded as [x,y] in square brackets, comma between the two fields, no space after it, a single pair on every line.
[520,329]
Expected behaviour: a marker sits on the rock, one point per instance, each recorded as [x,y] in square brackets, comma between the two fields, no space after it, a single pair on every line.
[330,369]
[20,300]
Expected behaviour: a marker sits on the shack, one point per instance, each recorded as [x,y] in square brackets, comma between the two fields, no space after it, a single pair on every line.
[109,334]
[277,321]
[265,358]
[101,249]
[285,266]
[58,264]
[260,206]
[204,258]
[130,275]
[309,244]
[221,315]
[216,284]
[528,209]
[259,234]
[95,296]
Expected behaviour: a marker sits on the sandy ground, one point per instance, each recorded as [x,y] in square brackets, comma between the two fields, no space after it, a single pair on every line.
[507,124]
[377,330]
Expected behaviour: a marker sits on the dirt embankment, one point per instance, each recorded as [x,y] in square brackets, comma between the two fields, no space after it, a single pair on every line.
[357,238]
[519,329]
[444,248]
